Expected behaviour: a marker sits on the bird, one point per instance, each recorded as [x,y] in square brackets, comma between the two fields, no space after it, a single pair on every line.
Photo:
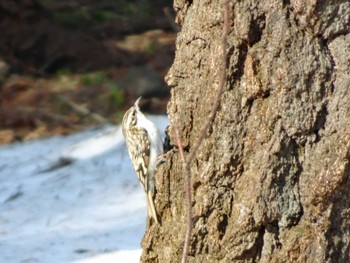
[144,146]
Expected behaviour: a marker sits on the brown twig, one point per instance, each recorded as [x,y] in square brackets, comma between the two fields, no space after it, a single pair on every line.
[80,109]
[215,107]
[203,132]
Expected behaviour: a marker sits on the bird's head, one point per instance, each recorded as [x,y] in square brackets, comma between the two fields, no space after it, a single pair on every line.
[130,117]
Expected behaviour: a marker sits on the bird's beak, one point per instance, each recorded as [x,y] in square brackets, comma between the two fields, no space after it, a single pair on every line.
[137,102]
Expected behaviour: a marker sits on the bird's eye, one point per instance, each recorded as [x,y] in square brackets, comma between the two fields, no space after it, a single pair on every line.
[133,117]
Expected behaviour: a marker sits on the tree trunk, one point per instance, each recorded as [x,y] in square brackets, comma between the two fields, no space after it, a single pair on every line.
[271,180]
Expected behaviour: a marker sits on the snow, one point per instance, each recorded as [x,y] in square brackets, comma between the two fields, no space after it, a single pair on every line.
[71,199]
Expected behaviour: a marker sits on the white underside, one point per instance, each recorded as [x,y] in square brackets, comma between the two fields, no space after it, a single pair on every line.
[156,148]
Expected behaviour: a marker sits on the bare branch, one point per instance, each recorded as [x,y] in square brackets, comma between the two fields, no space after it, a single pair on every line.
[187,161]
[204,130]
[80,109]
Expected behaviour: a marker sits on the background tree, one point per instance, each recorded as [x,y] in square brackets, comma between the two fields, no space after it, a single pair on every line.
[271,180]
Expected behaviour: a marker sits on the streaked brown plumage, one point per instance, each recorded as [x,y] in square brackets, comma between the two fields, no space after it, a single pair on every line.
[144,146]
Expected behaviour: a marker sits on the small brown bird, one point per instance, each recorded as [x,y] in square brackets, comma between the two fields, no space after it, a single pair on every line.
[144,145]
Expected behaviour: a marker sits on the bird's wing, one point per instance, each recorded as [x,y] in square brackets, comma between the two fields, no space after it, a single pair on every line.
[139,151]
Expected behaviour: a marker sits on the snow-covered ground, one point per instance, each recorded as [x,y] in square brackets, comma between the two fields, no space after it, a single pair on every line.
[71,199]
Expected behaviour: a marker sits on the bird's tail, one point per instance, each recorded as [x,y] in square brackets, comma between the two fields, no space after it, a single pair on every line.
[150,207]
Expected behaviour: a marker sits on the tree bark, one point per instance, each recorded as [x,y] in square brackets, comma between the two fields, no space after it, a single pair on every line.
[270,182]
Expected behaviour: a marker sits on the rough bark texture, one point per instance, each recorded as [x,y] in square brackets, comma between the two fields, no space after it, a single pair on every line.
[271,180]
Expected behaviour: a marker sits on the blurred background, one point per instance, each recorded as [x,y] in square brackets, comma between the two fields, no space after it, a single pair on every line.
[66,65]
